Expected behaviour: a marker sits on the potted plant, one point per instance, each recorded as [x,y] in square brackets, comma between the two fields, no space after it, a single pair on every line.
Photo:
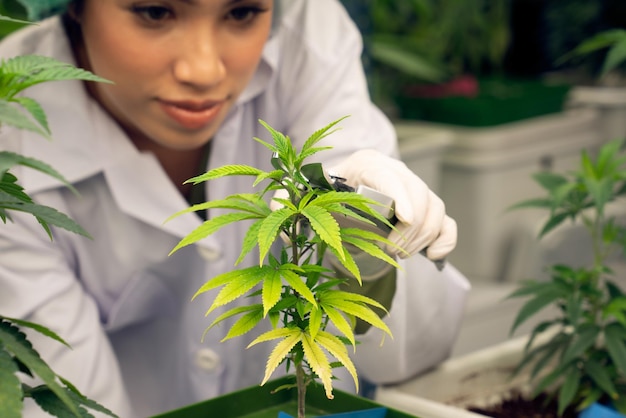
[444,62]
[295,290]
[577,356]
[55,395]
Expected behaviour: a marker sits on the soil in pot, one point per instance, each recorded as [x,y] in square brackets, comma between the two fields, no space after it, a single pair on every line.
[517,406]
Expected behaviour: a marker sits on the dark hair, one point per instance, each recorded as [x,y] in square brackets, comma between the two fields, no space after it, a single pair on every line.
[75,8]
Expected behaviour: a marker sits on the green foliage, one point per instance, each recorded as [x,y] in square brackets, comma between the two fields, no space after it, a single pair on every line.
[297,290]
[16,75]
[55,395]
[613,41]
[586,354]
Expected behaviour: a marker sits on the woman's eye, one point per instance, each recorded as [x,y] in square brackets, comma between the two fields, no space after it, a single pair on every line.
[153,14]
[245,13]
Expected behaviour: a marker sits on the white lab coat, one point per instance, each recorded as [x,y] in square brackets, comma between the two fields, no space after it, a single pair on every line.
[119,300]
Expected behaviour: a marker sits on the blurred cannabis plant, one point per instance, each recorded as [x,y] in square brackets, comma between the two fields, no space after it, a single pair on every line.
[55,395]
[586,356]
[299,295]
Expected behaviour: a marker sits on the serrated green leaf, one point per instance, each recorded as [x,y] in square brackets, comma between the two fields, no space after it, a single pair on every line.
[80,399]
[540,203]
[600,376]
[337,348]
[550,181]
[229,277]
[369,248]
[295,281]
[244,202]
[315,321]
[224,171]
[552,223]
[10,386]
[270,228]
[46,216]
[35,110]
[340,295]
[346,259]
[584,338]
[9,159]
[324,225]
[244,324]
[548,380]
[362,312]
[307,148]
[37,327]
[50,402]
[250,240]
[232,312]
[12,116]
[615,57]
[535,305]
[272,288]
[614,339]
[568,390]
[211,226]
[15,342]
[317,360]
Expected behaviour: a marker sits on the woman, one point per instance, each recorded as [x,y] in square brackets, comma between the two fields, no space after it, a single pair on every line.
[191,79]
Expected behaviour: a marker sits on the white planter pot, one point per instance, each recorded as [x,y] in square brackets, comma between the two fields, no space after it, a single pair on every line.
[486,170]
[610,103]
[422,149]
[481,378]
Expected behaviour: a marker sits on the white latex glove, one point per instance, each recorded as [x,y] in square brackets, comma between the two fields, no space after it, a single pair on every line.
[422,220]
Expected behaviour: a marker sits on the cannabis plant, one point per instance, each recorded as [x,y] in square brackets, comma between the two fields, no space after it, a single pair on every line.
[611,41]
[586,356]
[55,395]
[299,294]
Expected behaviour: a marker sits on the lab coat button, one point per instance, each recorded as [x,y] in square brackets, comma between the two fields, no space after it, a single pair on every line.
[207,359]
[209,254]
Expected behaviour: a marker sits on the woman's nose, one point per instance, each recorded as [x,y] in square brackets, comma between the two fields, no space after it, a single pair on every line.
[199,62]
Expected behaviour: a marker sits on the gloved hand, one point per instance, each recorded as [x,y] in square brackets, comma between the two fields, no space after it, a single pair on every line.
[423,223]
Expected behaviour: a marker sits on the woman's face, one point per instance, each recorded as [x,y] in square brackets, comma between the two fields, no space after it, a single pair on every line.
[178,65]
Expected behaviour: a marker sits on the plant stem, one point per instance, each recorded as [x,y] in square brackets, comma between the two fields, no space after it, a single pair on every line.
[301,384]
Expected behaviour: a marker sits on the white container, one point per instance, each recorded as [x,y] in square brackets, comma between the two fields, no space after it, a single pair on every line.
[422,149]
[479,379]
[609,101]
[489,315]
[487,170]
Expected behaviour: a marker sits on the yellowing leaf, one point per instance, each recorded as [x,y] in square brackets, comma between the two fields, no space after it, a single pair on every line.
[348,262]
[230,276]
[362,312]
[319,363]
[235,290]
[281,351]
[338,349]
[273,334]
[340,322]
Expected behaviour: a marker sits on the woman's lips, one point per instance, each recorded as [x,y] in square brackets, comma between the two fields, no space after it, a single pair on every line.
[192,115]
